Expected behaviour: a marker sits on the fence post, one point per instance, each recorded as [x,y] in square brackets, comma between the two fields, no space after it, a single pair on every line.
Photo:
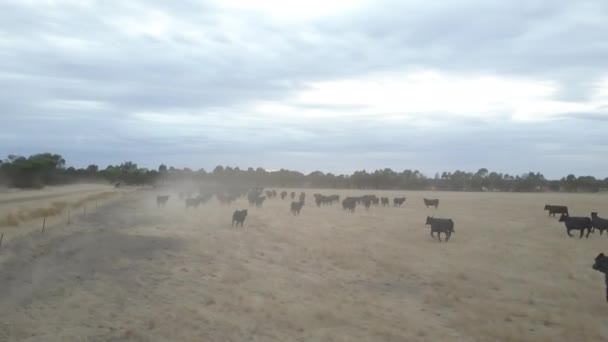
[43,224]
[1,237]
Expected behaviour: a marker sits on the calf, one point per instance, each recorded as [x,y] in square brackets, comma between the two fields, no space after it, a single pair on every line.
[431,203]
[599,223]
[296,207]
[384,201]
[161,201]
[397,202]
[576,223]
[556,209]
[239,217]
[439,226]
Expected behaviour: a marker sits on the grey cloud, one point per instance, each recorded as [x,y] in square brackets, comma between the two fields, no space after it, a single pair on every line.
[238,57]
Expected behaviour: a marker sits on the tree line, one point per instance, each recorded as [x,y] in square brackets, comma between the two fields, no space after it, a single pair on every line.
[43,169]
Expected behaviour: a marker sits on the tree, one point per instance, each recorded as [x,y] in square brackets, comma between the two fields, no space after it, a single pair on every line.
[162,168]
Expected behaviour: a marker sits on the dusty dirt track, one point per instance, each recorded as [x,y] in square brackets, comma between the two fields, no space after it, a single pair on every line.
[130,271]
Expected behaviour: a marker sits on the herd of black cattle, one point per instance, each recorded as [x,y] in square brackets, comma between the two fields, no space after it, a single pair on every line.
[257,196]
[581,224]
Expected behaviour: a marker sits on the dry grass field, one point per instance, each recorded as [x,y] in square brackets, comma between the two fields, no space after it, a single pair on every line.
[129,271]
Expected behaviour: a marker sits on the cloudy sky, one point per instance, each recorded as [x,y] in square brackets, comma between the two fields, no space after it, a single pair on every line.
[336,85]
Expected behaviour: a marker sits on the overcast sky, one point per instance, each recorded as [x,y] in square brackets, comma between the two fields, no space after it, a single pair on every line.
[336,85]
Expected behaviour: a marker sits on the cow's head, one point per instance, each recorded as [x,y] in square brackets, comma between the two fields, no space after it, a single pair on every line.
[547,207]
[429,220]
[563,217]
[601,263]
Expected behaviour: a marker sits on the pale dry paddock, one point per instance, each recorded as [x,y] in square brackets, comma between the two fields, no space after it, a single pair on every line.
[131,271]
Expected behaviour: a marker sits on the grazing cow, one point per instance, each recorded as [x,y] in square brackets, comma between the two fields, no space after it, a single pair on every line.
[556,209]
[439,226]
[334,198]
[161,201]
[293,195]
[259,201]
[268,193]
[384,201]
[601,265]
[296,207]
[599,223]
[398,201]
[283,195]
[349,203]
[431,203]
[375,201]
[192,202]
[367,202]
[239,217]
[302,197]
[576,223]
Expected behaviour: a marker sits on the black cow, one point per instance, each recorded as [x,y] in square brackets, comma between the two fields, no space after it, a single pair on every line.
[599,223]
[302,197]
[439,226]
[397,202]
[556,209]
[349,203]
[384,201]
[576,223]
[161,201]
[431,203]
[239,217]
[283,195]
[296,207]
[601,265]
[367,202]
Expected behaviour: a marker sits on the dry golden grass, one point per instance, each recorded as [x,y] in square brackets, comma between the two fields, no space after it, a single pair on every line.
[12,218]
[509,273]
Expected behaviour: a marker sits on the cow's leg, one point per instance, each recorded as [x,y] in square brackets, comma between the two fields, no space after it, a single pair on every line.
[581,235]
[588,232]
[568,232]
[439,236]
[447,236]
[432,235]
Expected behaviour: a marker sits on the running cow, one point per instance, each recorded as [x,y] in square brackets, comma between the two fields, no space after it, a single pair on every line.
[431,203]
[439,226]
[239,217]
[576,223]
[599,223]
[556,209]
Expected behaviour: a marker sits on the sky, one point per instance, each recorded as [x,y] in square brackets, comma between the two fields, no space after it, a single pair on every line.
[336,86]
